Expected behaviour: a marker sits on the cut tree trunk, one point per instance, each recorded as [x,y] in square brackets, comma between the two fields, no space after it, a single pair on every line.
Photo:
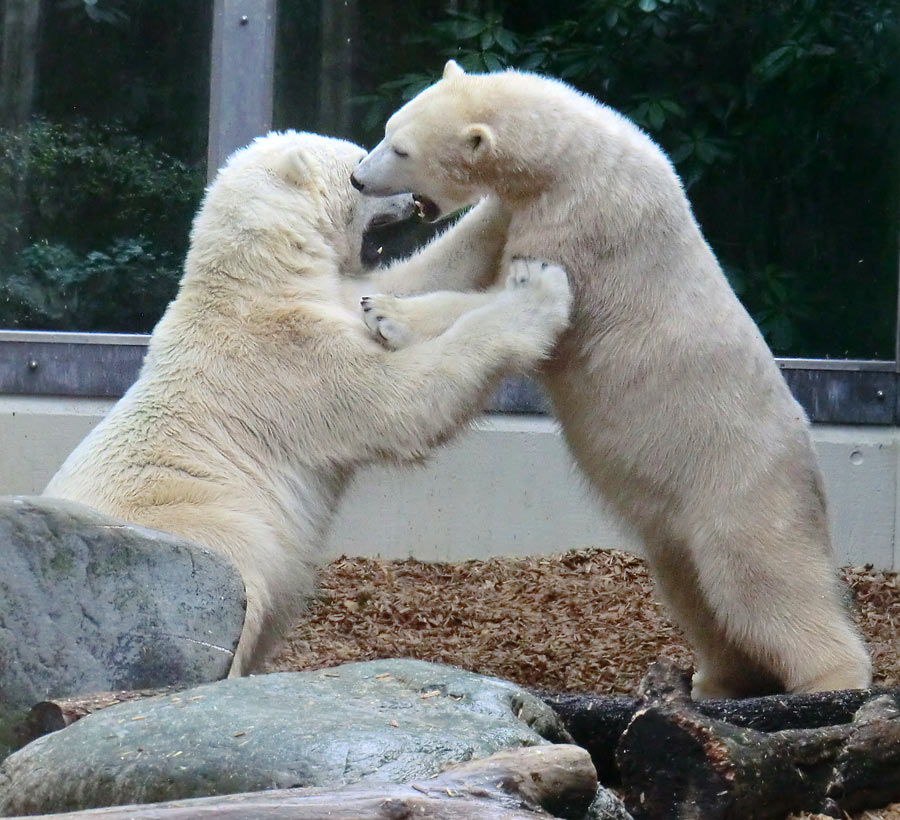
[596,722]
[18,60]
[676,762]
[53,715]
[511,785]
[338,36]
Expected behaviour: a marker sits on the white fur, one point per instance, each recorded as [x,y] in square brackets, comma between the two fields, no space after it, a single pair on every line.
[669,398]
[262,389]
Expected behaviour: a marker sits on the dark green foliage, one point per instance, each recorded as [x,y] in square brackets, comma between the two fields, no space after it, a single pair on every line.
[67,191]
[119,289]
[81,183]
[100,178]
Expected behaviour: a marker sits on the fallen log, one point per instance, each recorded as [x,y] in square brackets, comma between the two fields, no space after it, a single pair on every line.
[596,722]
[677,762]
[517,784]
[53,715]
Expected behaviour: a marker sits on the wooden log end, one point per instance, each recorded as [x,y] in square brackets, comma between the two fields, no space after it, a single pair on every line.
[673,766]
[665,681]
[559,778]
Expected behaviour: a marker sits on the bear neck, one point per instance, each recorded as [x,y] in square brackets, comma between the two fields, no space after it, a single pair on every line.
[593,157]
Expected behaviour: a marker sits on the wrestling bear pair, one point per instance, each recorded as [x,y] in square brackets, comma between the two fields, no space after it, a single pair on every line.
[264,386]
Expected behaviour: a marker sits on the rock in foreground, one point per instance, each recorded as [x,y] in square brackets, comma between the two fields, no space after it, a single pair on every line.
[390,720]
[90,603]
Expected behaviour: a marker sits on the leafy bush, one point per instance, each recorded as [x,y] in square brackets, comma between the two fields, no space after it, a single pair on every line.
[123,288]
[67,190]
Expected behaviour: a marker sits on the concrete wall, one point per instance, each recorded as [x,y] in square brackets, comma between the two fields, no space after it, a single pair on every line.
[506,488]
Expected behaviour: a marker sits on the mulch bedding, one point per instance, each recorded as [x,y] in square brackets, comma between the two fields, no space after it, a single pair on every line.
[584,620]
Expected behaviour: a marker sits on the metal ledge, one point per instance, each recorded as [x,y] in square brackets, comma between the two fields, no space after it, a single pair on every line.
[846,396]
[69,364]
[829,395]
[104,365]
[871,365]
[33,336]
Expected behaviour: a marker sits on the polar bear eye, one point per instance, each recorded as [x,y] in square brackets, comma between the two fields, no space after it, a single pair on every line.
[400,152]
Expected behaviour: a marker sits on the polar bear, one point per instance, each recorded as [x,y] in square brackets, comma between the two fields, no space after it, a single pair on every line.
[263,389]
[668,396]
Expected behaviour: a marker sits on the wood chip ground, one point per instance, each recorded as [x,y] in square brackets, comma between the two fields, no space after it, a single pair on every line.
[584,620]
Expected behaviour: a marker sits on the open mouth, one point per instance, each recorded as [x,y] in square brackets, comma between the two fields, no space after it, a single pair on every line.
[388,210]
[426,208]
[381,220]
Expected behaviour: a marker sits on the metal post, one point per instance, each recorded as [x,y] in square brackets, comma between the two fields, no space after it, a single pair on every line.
[897,369]
[242,69]
[897,317]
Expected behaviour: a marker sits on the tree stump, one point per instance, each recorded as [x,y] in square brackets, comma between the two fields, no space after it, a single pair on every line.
[596,722]
[676,762]
[53,715]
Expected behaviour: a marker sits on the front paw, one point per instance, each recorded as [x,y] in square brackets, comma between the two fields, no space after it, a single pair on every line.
[380,316]
[544,285]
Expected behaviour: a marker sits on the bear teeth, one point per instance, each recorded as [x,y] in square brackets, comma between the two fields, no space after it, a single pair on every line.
[426,208]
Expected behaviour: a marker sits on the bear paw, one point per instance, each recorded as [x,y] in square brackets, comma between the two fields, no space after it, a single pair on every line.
[544,282]
[388,329]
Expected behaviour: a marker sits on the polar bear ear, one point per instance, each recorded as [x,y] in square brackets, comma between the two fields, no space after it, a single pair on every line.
[478,138]
[295,167]
[453,69]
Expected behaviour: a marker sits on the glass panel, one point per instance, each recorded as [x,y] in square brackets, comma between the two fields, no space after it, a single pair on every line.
[103,124]
[783,119]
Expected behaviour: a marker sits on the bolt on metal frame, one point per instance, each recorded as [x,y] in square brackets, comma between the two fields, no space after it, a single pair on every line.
[838,391]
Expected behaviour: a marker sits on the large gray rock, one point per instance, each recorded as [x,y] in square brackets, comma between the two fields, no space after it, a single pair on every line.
[90,603]
[394,720]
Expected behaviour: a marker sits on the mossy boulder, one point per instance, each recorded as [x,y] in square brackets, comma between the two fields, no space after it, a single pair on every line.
[90,603]
[388,720]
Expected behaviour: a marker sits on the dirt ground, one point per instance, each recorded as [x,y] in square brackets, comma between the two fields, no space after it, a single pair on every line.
[583,620]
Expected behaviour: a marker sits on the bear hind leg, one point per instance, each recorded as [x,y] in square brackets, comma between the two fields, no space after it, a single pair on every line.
[778,606]
[722,669]
[853,675]
[757,627]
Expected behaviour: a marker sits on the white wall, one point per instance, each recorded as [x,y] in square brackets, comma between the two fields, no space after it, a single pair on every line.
[506,488]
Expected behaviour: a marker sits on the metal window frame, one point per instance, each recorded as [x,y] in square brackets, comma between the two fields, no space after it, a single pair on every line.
[104,365]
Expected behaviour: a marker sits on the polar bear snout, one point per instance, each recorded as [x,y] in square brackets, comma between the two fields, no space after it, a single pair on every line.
[376,174]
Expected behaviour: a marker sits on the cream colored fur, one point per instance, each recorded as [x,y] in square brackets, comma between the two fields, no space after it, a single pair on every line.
[263,390]
[668,396]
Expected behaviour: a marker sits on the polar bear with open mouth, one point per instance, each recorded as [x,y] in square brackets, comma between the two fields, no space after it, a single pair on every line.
[668,396]
[263,387]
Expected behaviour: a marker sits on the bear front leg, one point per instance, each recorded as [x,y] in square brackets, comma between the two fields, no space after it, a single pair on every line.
[401,404]
[399,321]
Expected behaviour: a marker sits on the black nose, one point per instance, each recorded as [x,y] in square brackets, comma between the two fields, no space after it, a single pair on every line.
[356,183]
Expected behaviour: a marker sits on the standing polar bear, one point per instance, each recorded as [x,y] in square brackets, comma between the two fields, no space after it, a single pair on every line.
[263,388]
[667,394]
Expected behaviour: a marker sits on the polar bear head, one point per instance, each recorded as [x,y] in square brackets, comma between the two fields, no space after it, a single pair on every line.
[466,136]
[436,146]
[512,134]
[284,205]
